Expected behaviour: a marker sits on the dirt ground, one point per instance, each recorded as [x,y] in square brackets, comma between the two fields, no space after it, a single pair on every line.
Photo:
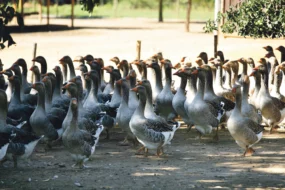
[187,163]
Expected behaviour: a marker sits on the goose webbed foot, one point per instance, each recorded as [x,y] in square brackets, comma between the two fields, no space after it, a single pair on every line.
[216,136]
[145,152]
[248,152]
[15,161]
[107,134]
[48,146]
[159,152]
[79,165]
[2,162]
[189,127]
[140,150]
[125,142]
[199,136]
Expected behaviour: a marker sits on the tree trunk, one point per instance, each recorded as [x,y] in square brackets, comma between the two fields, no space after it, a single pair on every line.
[115,7]
[187,23]
[160,11]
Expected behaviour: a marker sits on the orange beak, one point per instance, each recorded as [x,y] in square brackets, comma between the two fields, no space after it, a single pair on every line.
[134,89]
[195,72]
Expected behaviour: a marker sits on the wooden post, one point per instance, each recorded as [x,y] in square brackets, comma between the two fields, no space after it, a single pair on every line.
[115,7]
[34,56]
[160,11]
[138,50]
[216,32]
[40,10]
[22,7]
[72,13]
[187,23]
[48,4]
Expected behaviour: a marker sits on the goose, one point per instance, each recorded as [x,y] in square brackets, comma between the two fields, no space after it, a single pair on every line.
[243,129]
[204,57]
[157,75]
[203,114]
[211,97]
[42,61]
[52,78]
[151,134]
[125,112]
[142,68]
[21,143]
[102,97]
[281,49]
[180,98]
[124,67]
[282,69]
[149,111]
[59,100]
[39,121]
[248,110]
[272,109]
[257,78]
[27,86]
[67,61]
[36,71]
[80,143]
[133,98]
[101,64]
[18,109]
[9,89]
[234,66]
[275,91]
[110,86]
[163,104]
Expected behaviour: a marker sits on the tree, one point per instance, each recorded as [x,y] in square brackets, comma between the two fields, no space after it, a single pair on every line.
[187,23]
[160,11]
[254,18]
[88,5]
[7,13]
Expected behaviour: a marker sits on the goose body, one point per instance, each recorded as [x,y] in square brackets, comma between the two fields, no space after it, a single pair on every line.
[243,129]
[80,143]
[150,133]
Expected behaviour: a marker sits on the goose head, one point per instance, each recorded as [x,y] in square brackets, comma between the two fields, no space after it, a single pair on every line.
[79,59]
[108,69]
[65,60]
[204,57]
[21,62]
[268,48]
[88,58]
[116,60]
[71,89]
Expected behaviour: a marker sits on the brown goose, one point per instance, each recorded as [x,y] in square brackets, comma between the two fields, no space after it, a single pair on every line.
[67,61]
[282,51]
[142,68]
[164,99]
[272,109]
[243,129]
[80,143]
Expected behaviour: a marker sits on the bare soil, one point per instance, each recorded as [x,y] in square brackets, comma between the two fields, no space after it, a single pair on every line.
[186,163]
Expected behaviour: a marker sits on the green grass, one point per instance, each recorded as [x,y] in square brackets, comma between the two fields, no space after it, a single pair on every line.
[197,14]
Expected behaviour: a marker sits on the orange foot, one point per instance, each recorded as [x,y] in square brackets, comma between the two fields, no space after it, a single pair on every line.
[248,152]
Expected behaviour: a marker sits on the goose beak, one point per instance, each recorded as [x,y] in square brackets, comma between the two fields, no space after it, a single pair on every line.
[134,89]
[34,60]
[31,69]
[11,78]
[195,72]
[2,72]
[234,90]
[252,73]
[211,59]
[128,77]
[176,73]
[139,82]
[162,61]
[265,47]
[44,79]
[119,82]
[278,48]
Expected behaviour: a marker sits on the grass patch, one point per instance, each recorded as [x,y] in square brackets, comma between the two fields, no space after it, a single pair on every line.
[198,13]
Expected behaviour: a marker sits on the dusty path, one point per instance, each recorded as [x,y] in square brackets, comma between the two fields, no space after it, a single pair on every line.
[187,164]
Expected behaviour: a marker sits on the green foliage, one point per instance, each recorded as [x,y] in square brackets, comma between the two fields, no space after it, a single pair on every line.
[7,13]
[88,5]
[254,18]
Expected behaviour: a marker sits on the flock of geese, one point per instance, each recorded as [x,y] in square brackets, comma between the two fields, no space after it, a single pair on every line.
[140,98]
